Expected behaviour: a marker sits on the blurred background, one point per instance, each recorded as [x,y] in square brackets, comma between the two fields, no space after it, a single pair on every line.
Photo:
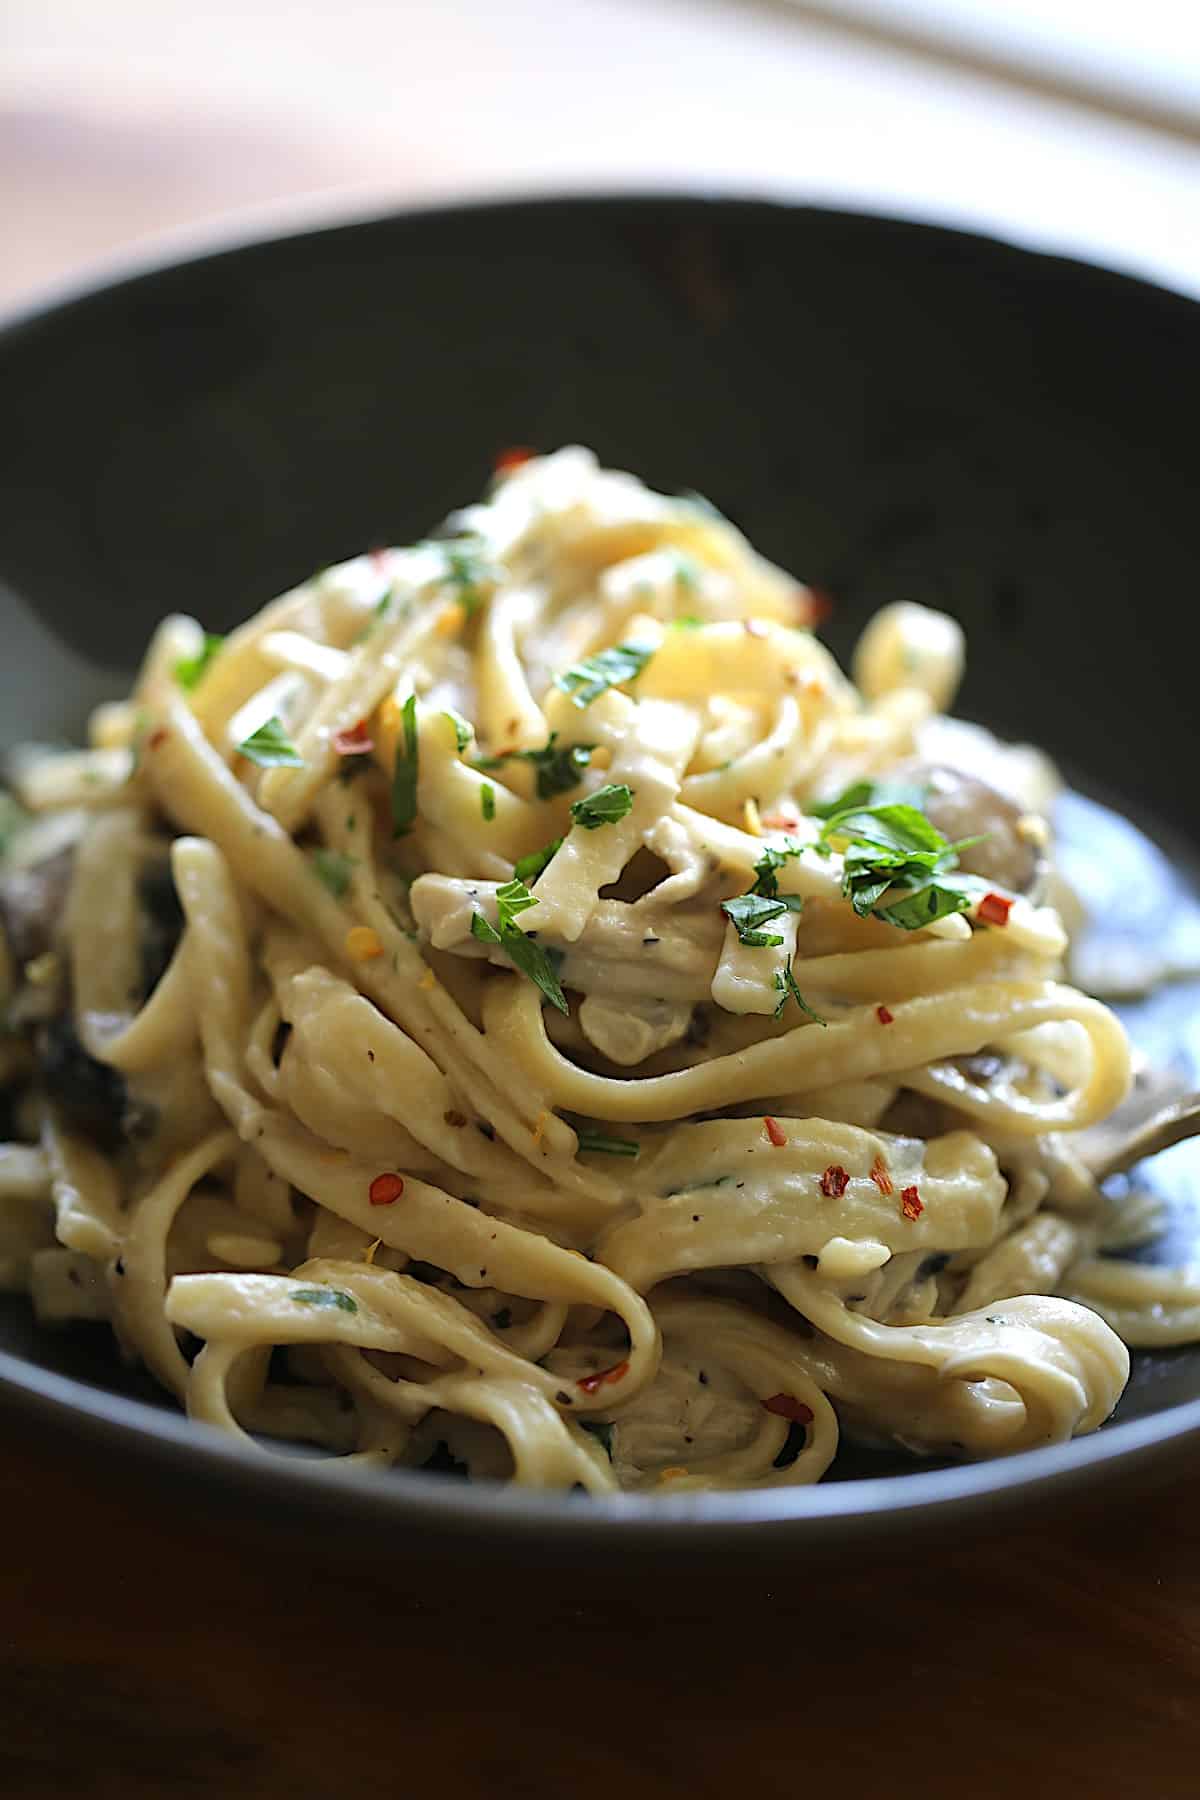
[1070,124]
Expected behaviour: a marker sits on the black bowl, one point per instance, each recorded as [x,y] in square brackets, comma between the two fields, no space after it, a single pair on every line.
[891,410]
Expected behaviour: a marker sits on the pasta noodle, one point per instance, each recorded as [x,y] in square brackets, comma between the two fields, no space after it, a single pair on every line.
[513,1004]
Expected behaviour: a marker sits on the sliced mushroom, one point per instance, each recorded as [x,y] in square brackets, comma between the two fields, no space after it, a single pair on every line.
[962,806]
[31,905]
[93,1098]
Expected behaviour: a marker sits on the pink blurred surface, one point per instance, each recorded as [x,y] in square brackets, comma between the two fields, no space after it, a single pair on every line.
[143,117]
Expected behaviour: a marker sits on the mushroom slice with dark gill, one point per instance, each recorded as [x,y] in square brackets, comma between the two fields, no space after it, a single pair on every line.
[962,806]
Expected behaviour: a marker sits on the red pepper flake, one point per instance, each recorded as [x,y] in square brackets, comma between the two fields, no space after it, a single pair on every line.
[157,738]
[813,607]
[911,1203]
[354,742]
[508,460]
[591,1384]
[994,909]
[775,1132]
[754,628]
[788,1407]
[885,1015]
[785,820]
[881,1178]
[385,1190]
[834,1182]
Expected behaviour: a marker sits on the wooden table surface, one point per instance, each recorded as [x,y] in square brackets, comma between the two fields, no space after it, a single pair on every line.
[149,1650]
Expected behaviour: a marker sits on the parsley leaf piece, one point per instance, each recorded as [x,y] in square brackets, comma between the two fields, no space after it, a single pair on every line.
[893,827]
[785,987]
[533,961]
[270,747]
[487,802]
[587,680]
[13,820]
[601,1144]
[925,905]
[514,897]
[750,912]
[379,612]
[528,868]
[469,572]
[558,771]
[765,880]
[687,572]
[324,1297]
[464,731]
[526,955]
[605,807]
[404,775]
[890,847]
[870,793]
[189,669]
[333,868]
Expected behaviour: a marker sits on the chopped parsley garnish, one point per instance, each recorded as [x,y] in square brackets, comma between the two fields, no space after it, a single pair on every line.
[765,879]
[404,775]
[528,868]
[750,912]
[333,868]
[601,1429]
[687,573]
[601,1144]
[587,680]
[189,669]
[870,793]
[785,987]
[605,807]
[889,846]
[324,1297]
[469,572]
[557,771]
[13,820]
[270,747]
[464,731]
[526,955]
[513,898]
[487,802]
[379,612]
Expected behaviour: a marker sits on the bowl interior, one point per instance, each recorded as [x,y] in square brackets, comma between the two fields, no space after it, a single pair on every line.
[890,410]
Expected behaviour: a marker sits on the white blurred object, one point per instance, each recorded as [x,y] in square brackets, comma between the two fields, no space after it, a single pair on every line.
[1141,60]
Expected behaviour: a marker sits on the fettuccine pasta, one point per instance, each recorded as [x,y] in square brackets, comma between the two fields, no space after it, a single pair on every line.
[515,1003]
